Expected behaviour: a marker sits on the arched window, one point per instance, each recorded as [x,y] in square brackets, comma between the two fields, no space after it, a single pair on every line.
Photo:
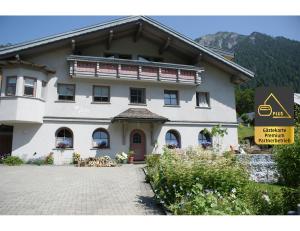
[204,139]
[64,138]
[173,139]
[100,138]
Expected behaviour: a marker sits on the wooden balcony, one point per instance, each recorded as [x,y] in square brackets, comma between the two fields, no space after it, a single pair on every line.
[108,68]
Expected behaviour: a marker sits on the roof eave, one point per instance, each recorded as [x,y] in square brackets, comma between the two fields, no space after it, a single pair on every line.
[27,45]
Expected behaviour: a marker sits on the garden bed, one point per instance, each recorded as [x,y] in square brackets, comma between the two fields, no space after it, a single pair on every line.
[198,182]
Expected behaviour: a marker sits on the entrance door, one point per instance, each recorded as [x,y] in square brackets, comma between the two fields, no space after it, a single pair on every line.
[6,136]
[138,144]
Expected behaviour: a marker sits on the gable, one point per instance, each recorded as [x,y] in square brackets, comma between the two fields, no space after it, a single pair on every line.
[136,27]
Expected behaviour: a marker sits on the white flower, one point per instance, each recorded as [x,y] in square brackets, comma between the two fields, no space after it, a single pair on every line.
[266,198]
[233,190]
[174,185]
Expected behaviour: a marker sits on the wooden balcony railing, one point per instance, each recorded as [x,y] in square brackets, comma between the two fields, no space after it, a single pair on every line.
[98,67]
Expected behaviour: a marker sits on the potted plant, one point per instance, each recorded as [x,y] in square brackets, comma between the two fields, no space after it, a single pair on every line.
[131,157]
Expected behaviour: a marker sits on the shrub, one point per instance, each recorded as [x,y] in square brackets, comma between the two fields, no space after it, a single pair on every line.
[152,160]
[37,161]
[264,199]
[207,202]
[177,171]
[287,158]
[76,157]
[49,159]
[291,198]
[12,160]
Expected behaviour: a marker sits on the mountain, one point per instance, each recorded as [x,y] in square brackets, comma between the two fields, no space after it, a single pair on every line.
[275,60]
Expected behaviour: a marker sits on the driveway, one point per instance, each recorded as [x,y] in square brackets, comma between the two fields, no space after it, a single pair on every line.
[69,190]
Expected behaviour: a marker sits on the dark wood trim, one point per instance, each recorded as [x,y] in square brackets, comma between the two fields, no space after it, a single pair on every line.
[145,98]
[138,32]
[110,38]
[178,100]
[94,94]
[165,46]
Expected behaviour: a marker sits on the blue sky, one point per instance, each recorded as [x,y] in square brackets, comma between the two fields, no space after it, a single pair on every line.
[15,29]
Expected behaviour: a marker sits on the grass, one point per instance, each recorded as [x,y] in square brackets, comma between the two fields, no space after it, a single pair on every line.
[245,132]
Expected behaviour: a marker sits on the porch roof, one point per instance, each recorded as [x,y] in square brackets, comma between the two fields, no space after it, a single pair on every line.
[139,115]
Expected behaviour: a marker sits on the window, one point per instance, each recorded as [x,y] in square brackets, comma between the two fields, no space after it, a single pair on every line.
[64,138]
[101,94]
[100,138]
[11,83]
[137,95]
[173,139]
[66,92]
[29,86]
[202,99]
[171,97]
[204,139]
[137,138]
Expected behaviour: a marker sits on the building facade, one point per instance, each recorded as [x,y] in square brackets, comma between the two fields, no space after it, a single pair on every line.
[129,84]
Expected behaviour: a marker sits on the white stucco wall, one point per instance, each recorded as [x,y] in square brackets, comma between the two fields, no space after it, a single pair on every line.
[186,118]
[40,139]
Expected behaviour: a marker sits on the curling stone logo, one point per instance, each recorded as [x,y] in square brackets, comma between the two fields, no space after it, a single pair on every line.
[273,108]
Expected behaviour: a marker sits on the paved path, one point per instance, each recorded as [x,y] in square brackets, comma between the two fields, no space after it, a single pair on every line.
[70,190]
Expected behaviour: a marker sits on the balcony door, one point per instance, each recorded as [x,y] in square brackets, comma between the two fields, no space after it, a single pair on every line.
[138,144]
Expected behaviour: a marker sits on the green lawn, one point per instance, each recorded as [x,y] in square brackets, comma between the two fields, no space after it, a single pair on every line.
[245,132]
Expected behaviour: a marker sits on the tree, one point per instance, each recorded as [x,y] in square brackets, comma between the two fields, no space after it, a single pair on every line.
[244,100]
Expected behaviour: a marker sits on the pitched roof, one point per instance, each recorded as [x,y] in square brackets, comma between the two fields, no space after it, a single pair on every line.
[139,114]
[86,30]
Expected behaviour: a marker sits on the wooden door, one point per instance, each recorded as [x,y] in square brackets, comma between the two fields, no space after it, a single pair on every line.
[138,144]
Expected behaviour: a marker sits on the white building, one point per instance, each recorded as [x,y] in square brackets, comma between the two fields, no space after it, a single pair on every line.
[127,84]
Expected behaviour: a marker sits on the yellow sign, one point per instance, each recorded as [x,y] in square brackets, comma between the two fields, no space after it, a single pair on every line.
[274,116]
[274,135]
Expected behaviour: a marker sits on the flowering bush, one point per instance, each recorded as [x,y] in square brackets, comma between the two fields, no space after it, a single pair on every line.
[208,202]
[120,158]
[49,159]
[176,174]
[62,145]
[76,157]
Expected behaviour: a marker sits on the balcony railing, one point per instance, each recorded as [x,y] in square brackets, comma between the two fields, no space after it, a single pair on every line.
[97,67]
